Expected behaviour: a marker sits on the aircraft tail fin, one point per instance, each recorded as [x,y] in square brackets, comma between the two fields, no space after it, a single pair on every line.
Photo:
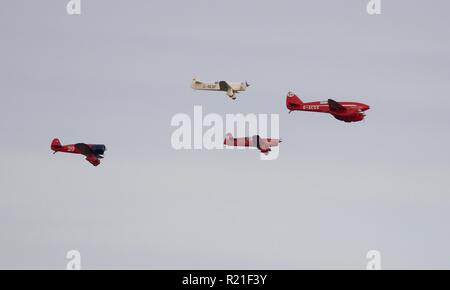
[56,144]
[228,139]
[293,102]
[195,82]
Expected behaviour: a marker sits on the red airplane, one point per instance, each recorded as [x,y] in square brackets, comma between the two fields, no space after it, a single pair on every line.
[93,153]
[263,144]
[344,111]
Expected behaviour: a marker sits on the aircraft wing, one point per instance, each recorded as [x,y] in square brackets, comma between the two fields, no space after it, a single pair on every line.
[93,160]
[224,86]
[91,157]
[264,146]
[261,144]
[335,106]
[84,149]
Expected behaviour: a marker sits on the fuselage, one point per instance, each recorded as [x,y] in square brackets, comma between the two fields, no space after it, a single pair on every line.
[219,86]
[263,144]
[354,111]
[344,111]
[97,149]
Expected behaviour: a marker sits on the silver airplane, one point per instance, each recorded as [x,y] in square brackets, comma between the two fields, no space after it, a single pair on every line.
[231,88]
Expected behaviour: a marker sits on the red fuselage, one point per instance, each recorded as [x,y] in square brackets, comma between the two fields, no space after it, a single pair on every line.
[67,149]
[74,148]
[344,111]
[263,144]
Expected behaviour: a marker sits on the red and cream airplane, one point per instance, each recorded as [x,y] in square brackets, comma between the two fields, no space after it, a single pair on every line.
[93,153]
[263,144]
[343,111]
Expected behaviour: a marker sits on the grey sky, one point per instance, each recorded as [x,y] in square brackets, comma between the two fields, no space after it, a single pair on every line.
[118,73]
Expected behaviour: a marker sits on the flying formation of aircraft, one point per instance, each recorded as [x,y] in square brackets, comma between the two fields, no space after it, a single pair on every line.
[232,88]
[343,111]
[263,144]
[93,153]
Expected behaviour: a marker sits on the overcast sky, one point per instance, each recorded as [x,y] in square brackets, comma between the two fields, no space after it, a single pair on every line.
[116,75]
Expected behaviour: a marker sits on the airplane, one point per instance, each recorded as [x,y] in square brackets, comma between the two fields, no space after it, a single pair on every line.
[93,153]
[263,144]
[232,88]
[343,111]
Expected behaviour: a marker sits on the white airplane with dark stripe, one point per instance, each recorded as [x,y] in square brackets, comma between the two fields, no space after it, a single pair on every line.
[231,88]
